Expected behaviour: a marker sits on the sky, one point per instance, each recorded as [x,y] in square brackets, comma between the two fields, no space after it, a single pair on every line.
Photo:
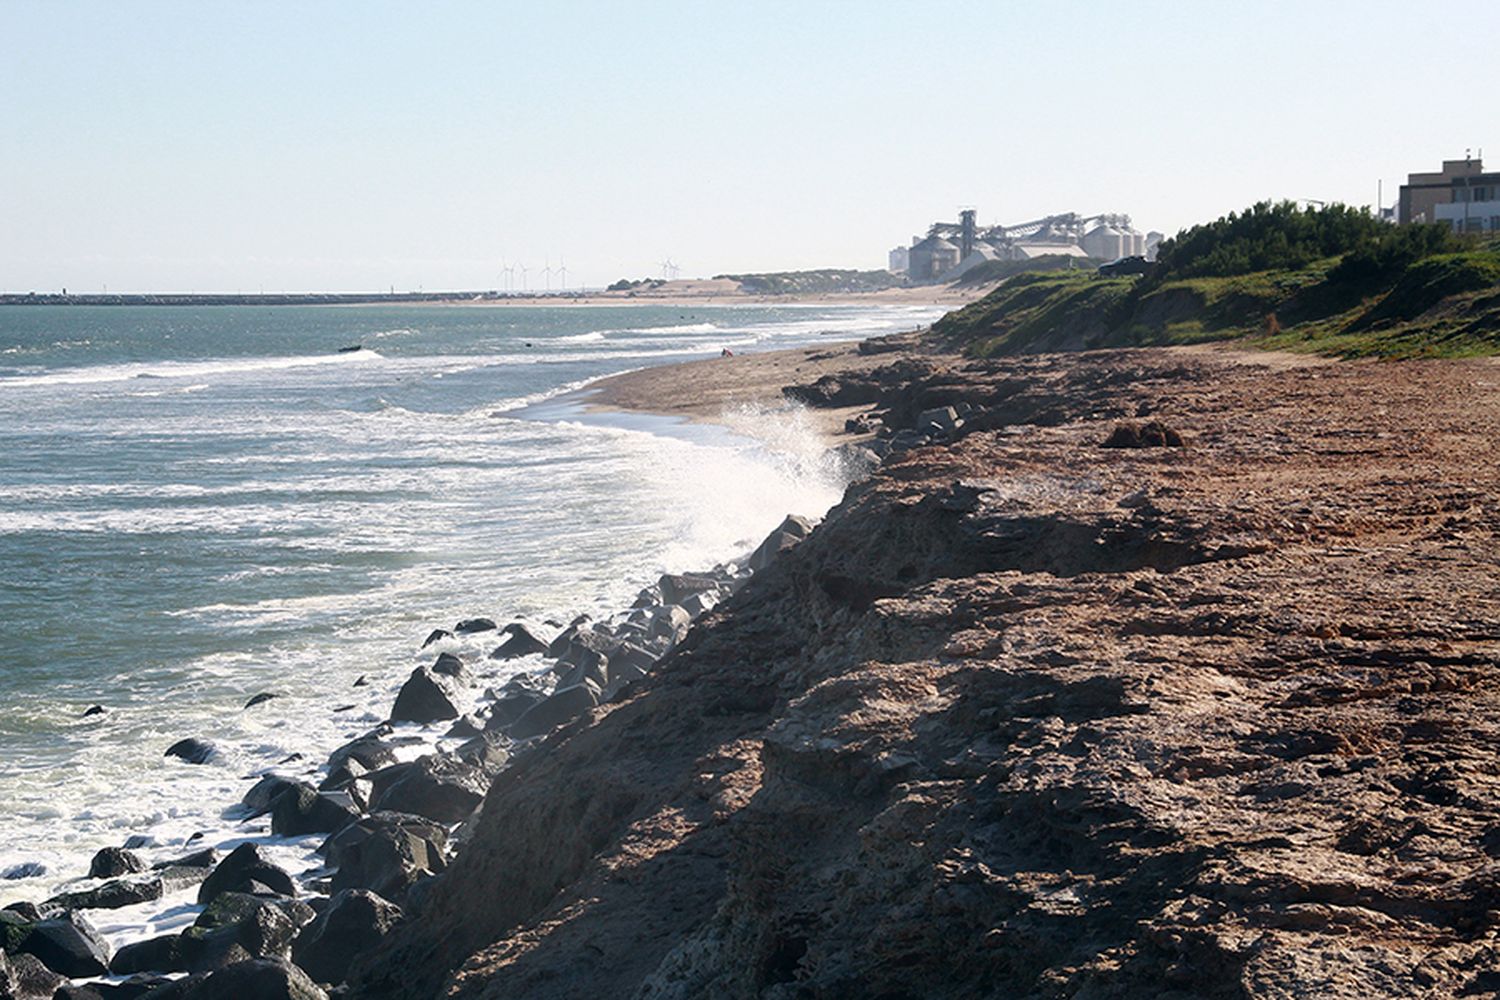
[347,146]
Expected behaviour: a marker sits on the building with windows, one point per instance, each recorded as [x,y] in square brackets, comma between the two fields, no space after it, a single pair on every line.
[1461,195]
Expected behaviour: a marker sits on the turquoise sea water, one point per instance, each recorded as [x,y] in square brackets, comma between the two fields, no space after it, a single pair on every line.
[197,505]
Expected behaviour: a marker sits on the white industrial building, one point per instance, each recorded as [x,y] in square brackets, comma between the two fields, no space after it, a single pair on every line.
[952,249]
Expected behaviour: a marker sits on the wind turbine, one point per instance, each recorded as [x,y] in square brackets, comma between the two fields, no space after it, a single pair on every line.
[547,273]
[562,269]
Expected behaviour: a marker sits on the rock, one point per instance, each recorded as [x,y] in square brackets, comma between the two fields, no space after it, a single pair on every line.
[261,699]
[426,697]
[112,862]
[193,751]
[262,927]
[675,587]
[939,421]
[857,460]
[361,681]
[467,726]
[24,977]
[303,809]
[471,625]
[451,666]
[1151,434]
[245,866]
[791,531]
[256,979]
[562,706]
[436,635]
[25,869]
[110,896]
[580,645]
[670,624]
[510,708]
[437,786]
[355,921]
[93,710]
[133,988]
[371,750]
[648,598]
[340,776]
[66,944]
[696,604]
[265,792]
[206,858]
[27,912]
[386,853]
[520,643]
[158,954]
[489,752]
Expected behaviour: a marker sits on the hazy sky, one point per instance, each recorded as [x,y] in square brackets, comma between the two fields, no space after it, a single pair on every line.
[355,146]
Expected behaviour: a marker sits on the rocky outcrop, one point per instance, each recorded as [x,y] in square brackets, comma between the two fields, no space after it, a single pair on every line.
[1030,717]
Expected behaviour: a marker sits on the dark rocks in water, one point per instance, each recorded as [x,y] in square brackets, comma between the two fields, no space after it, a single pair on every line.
[511,707]
[361,681]
[471,625]
[339,777]
[244,866]
[437,786]
[135,987]
[369,749]
[264,792]
[650,597]
[355,921]
[24,977]
[193,751]
[670,623]
[436,635]
[426,697]
[676,586]
[158,954]
[26,911]
[112,862]
[94,710]
[302,809]
[451,666]
[787,534]
[138,840]
[255,979]
[699,604]
[562,706]
[1151,434]
[206,858]
[520,643]
[467,726]
[261,699]
[489,752]
[259,925]
[25,869]
[110,896]
[386,853]
[66,944]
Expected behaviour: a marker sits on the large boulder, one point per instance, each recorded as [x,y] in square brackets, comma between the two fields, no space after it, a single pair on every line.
[261,926]
[438,787]
[386,853]
[355,921]
[67,944]
[373,750]
[521,642]
[110,896]
[676,587]
[511,707]
[564,705]
[256,979]
[24,977]
[426,697]
[193,751]
[303,809]
[787,534]
[158,954]
[246,869]
[471,625]
[112,862]
[264,792]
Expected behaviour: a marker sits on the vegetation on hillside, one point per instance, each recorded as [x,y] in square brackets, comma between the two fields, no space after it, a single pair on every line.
[997,270]
[1331,280]
[814,282]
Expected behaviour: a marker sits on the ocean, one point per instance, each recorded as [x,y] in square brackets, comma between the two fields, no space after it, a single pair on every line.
[198,505]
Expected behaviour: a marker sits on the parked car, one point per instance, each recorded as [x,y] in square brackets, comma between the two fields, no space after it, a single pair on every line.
[1126,265]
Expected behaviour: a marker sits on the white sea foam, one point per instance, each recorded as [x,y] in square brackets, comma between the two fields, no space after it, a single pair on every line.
[181,369]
